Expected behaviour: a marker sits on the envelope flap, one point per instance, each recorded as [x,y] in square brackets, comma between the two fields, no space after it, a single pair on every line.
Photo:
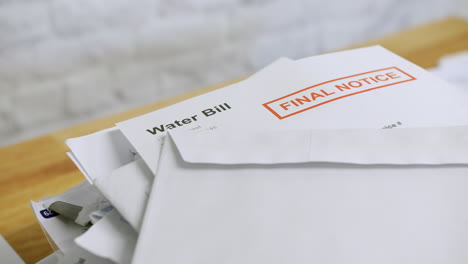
[402,146]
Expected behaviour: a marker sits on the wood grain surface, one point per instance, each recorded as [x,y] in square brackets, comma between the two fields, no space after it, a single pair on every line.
[39,167]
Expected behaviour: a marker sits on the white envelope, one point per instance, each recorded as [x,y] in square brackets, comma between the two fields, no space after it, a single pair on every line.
[281,201]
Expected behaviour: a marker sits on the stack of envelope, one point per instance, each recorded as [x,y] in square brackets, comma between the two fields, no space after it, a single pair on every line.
[351,157]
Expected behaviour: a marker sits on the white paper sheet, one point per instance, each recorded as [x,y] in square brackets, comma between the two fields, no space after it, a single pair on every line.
[305,213]
[77,255]
[111,238]
[100,153]
[128,189]
[80,167]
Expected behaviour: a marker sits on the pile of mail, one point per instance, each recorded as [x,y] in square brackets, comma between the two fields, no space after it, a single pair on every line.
[351,157]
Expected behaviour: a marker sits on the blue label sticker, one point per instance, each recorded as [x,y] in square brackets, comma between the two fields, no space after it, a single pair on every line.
[48,214]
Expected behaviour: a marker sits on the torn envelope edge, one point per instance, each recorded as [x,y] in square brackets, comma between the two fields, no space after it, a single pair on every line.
[110,238]
[127,188]
[60,231]
[100,153]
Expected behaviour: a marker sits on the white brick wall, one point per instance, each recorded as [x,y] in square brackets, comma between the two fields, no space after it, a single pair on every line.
[38,103]
[66,61]
[22,23]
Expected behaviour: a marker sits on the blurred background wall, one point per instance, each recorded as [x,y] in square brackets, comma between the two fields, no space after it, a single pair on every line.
[66,61]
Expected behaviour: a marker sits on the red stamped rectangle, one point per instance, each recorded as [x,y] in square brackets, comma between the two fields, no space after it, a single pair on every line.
[329,91]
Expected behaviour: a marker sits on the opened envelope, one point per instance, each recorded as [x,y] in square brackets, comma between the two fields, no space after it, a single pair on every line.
[345,196]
